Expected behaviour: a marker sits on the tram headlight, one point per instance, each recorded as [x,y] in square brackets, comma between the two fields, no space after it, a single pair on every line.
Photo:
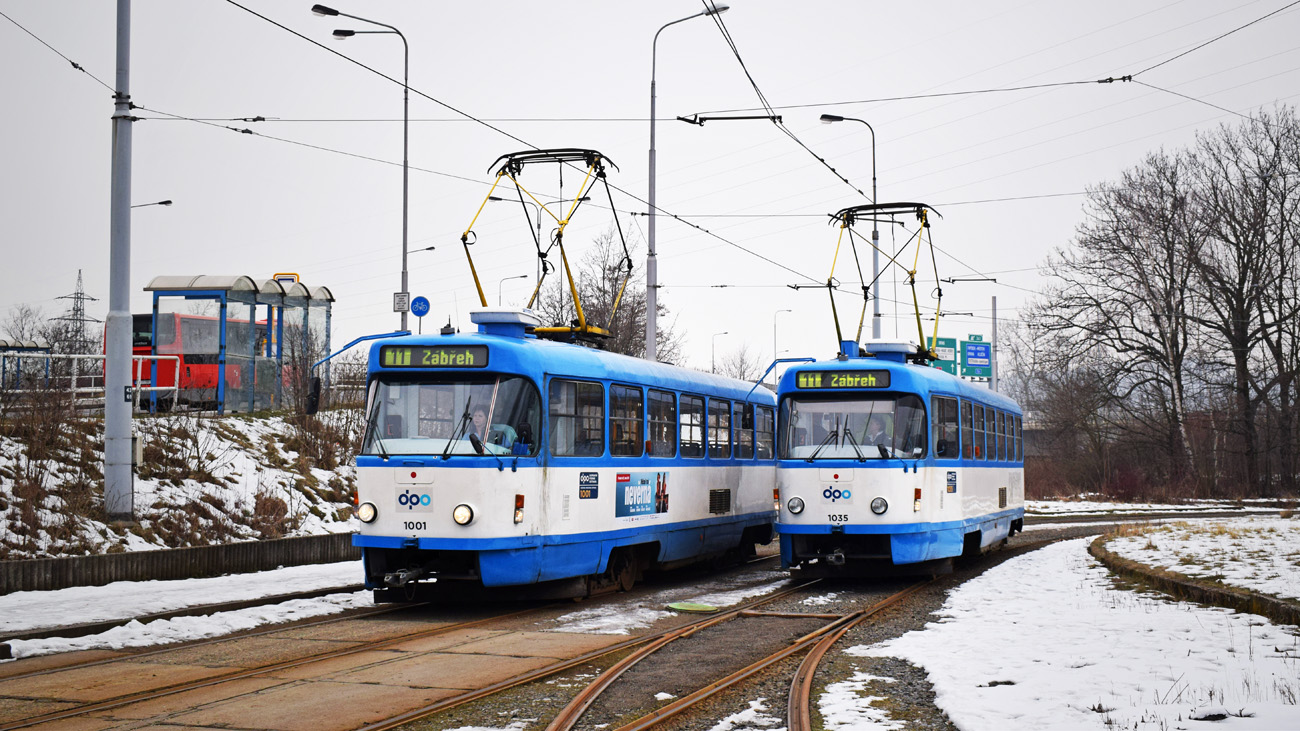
[795,505]
[462,514]
[367,512]
[879,506]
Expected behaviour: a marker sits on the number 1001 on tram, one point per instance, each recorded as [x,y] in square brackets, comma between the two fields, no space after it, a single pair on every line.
[888,467]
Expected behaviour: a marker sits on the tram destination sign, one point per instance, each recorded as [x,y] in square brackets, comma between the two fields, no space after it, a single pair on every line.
[842,379]
[433,356]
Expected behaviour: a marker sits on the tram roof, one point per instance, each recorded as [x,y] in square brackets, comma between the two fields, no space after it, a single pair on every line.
[568,360]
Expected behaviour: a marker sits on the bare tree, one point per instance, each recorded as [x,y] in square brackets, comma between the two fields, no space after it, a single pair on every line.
[1123,292]
[741,363]
[599,276]
[1248,182]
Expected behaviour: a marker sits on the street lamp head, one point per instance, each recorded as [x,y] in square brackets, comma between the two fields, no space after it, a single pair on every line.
[323,10]
[344,34]
[164,203]
[717,9]
[828,118]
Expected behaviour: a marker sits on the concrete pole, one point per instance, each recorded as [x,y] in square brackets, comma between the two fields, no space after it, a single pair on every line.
[118,477]
[993,348]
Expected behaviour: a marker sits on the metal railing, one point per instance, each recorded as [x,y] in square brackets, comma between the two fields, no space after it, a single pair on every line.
[94,393]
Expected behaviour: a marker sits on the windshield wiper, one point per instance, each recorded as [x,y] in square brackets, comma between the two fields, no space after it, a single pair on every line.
[460,430]
[848,437]
[832,435]
[373,425]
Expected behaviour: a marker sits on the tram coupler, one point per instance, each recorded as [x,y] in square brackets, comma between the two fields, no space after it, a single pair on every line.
[835,558]
[403,577]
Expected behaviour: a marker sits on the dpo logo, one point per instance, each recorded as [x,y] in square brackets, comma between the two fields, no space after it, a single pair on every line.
[415,501]
[834,493]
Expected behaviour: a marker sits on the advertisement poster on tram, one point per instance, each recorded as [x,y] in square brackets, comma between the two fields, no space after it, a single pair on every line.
[641,493]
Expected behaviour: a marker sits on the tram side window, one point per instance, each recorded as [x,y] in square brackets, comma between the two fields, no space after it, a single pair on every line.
[990,434]
[1020,444]
[1000,427]
[692,426]
[967,437]
[743,418]
[663,423]
[577,418]
[766,428]
[625,421]
[719,428]
[1006,433]
[943,422]
[979,433]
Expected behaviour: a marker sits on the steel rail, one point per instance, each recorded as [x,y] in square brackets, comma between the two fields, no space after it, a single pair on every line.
[834,629]
[563,665]
[182,687]
[799,715]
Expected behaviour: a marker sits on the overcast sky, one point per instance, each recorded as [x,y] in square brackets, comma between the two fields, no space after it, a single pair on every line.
[1006,169]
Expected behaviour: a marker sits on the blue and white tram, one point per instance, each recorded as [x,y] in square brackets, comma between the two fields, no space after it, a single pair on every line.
[497,459]
[887,466]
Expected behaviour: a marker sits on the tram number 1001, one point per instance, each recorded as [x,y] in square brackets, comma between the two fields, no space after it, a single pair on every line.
[414,525]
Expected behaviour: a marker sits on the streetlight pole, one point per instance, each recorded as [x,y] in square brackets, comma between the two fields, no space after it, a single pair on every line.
[651,263]
[503,281]
[775,354]
[713,354]
[406,121]
[875,228]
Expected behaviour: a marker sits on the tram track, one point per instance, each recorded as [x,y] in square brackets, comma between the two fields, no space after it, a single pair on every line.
[242,673]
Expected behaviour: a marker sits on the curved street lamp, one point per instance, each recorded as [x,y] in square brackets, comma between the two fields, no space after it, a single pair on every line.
[651,264]
[325,11]
[713,354]
[875,229]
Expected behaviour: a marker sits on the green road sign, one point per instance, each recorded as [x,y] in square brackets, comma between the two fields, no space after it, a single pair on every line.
[946,348]
[975,338]
[976,359]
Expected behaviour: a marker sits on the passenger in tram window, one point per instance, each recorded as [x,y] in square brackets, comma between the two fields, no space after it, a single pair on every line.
[876,431]
[478,423]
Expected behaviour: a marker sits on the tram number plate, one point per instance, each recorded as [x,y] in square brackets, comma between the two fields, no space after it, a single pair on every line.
[838,518]
[413,525]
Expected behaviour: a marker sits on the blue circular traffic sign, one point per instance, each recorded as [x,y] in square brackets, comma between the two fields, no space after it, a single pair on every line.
[419,307]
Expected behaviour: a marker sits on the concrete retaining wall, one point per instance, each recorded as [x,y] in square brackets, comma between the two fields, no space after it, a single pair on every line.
[44,574]
[1282,611]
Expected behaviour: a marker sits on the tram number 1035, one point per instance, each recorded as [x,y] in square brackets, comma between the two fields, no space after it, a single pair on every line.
[838,518]
[414,525]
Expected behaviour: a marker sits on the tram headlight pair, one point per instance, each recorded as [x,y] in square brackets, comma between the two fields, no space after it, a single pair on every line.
[367,512]
[795,505]
[462,514]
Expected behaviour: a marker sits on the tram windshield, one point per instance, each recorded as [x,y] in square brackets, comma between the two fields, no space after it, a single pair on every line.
[444,416]
[878,427]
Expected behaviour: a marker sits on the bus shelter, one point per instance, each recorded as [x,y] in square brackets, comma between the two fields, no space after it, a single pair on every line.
[22,357]
[238,339]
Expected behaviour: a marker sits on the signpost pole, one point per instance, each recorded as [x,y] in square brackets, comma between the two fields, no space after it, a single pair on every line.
[993,352]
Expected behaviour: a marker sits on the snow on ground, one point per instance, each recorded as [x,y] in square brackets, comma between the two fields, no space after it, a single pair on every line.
[185,629]
[255,485]
[1090,507]
[754,718]
[27,610]
[620,618]
[844,709]
[1044,640]
[1261,554]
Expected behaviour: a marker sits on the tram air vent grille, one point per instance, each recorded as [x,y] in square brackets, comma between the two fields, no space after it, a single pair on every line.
[1002,497]
[719,501]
